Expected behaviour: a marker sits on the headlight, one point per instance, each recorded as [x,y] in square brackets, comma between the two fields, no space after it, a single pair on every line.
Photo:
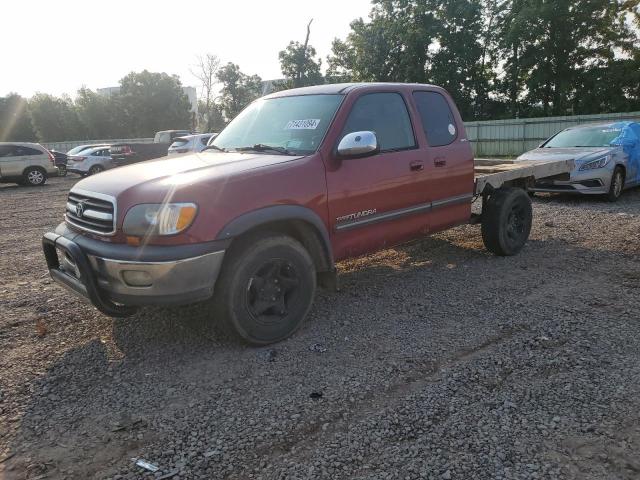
[598,163]
[159,218]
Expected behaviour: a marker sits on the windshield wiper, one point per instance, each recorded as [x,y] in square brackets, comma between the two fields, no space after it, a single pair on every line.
[261,147]
[213,147]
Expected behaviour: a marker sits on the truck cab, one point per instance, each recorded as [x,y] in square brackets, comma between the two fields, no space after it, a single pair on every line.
[298,181]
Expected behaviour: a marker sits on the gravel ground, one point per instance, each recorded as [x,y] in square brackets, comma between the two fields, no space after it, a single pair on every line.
[435,360]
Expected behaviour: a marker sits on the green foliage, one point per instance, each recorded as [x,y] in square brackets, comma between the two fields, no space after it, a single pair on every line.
[298,65]
[151,101]
[238,89]
[15,123]
[501,58]
[210,118]
[100,116]
[54,118]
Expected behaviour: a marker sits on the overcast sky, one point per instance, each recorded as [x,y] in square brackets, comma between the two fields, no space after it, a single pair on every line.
[58,46]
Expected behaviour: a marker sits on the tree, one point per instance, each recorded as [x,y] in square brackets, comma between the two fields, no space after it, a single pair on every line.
[551,49]
[500,58]
[54,118]
[151,101]
[298,65]
[238,89]
[206,72]
[100,116]
[15,123]
[393,46]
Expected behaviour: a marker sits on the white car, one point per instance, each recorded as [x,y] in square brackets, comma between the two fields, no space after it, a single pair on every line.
[90,161]
[25,163]
[190,143]
[81,148]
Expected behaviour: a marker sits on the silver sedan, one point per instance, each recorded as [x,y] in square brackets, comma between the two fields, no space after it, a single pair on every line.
[604,156]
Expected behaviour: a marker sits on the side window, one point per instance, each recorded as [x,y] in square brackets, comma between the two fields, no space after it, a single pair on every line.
[385,114]
[204,140]
[25,151]
[7,151]
[437,118]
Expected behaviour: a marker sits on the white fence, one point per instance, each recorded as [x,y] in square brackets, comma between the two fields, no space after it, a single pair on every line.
[66,146]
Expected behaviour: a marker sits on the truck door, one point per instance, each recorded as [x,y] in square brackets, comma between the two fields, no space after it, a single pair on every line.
[380,200]
[448,151]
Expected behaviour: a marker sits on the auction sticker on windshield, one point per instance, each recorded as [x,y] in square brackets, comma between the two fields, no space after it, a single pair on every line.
[308,124]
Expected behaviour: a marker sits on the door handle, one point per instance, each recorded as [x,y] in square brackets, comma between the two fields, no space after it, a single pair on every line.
[416,166]
[439,161]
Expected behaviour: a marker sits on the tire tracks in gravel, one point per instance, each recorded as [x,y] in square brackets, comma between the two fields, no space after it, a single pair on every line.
[415,379]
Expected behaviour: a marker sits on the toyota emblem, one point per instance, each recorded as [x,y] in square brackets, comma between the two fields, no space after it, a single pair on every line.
[79,210]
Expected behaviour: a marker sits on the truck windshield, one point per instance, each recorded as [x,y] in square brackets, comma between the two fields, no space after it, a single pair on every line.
[294,124]
[600,136]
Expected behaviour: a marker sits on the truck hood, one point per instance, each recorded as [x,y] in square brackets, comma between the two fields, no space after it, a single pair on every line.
[171,172]
[582,153]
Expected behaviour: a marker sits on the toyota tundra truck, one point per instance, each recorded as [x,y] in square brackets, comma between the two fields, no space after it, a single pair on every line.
[300,180]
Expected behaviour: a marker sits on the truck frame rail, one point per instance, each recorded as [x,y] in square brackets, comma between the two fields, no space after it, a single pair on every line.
[493,173]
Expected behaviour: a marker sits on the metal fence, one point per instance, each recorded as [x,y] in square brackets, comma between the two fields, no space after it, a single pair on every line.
[513,137]
[489,138]
[66,146]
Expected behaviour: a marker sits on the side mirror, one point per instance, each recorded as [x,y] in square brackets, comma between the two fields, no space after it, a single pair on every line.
[358,144]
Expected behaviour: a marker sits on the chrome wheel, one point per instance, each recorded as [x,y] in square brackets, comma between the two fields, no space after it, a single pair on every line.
[35,177]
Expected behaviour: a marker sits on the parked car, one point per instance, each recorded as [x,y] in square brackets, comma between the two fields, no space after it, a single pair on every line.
[80,148]
[25,163]
[296,182]
[128,153]
[90,161]
[190,143]
[60,161]
[607,159]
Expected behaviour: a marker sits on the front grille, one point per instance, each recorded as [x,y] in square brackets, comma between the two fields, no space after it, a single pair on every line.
[96,212]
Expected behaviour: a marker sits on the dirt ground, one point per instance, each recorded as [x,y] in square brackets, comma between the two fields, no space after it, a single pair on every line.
[435,360]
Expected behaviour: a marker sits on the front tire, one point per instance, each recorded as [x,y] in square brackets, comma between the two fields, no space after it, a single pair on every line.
[34,177]
[506,221]
[617,185]
[265,289]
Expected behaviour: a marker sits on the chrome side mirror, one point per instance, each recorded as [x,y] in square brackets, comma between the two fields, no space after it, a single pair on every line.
[358,144]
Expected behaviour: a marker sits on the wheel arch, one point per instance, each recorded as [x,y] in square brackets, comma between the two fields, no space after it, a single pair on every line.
[297,221]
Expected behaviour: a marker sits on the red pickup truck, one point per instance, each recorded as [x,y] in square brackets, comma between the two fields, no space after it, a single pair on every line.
[298,181]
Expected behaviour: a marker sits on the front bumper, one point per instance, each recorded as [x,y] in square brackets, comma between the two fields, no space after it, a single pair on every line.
[118,278]
[588,182]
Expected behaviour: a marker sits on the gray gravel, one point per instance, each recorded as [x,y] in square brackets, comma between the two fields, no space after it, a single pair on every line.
[436,360]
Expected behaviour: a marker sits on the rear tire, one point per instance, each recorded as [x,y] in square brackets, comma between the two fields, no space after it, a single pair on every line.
[506,221]
[62,170]
[95,169]
[34,177]
[265,289]
[617,185]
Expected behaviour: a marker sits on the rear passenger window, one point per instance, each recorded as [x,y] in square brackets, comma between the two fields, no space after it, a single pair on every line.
[7,150]
[437,118]
[25,151]
[386,115]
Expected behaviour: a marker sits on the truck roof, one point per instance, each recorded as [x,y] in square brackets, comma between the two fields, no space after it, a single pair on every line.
[343,88]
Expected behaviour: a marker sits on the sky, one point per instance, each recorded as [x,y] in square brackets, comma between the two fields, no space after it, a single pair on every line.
[58,46]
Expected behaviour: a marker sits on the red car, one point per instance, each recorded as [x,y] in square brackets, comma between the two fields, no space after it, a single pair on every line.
[298,181]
